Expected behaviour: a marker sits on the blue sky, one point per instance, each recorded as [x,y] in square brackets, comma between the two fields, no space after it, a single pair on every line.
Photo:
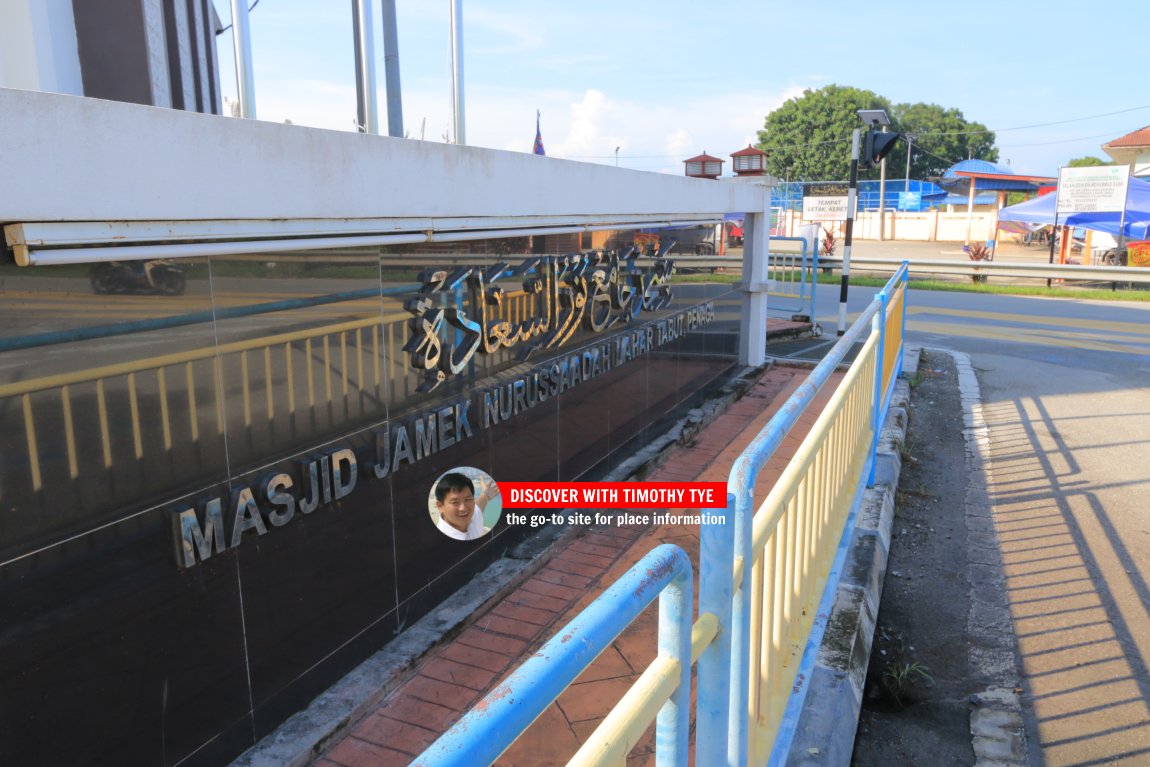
[666,80]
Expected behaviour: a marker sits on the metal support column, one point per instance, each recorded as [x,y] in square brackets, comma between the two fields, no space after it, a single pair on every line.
[367,111]
[457,71]
[242,42]
[391,70]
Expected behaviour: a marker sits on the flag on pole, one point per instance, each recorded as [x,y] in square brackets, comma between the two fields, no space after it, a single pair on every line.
[538,148]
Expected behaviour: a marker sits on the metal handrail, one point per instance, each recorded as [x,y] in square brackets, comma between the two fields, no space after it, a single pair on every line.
[1138,274]
[497,720]
[728,555]
[808,269]
[720,640]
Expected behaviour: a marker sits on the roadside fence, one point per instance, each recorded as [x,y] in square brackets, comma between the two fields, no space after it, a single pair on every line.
[762,576]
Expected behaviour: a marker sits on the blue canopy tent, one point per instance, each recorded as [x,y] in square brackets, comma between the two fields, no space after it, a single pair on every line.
[1040,211]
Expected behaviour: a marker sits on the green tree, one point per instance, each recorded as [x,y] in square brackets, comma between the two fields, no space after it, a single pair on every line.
[809,137]
[942,137]
[1087,162]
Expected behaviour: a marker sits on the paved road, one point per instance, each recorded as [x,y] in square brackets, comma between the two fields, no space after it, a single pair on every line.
[1066,395]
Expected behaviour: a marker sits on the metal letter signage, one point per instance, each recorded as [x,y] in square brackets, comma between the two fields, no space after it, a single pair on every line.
[588,290]
[255,506]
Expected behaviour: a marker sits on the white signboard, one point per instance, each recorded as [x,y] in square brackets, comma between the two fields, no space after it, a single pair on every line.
[824,209]
[1092,190]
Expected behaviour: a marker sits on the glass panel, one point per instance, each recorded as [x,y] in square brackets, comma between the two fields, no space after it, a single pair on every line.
[302,350]
[107,394]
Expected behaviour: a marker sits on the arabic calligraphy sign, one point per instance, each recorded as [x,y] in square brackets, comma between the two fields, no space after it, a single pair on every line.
[593,291]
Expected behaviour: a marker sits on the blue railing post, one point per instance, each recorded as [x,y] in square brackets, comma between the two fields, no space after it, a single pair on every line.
[741,627]
[902,319]
[673,724]
[716,575]
[878,325]
[495,722]
[814,280]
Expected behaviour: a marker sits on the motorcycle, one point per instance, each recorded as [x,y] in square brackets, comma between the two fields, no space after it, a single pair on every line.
[161,276]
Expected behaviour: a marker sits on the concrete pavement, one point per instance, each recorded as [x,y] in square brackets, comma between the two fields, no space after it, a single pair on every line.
[1070,490]
[1065,413]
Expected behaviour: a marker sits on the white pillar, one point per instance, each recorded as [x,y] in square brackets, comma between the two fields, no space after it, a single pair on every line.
[38,47]
[753,324]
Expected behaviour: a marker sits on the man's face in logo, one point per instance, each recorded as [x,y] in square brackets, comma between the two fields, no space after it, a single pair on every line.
[457,508]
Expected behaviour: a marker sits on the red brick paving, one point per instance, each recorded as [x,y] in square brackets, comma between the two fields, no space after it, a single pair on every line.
[454,675]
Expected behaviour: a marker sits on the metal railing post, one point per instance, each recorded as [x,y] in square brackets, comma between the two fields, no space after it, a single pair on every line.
[716,581]
[741,628]
[485,732]
[673,724]
[878,325]
[814,279]
[902,319]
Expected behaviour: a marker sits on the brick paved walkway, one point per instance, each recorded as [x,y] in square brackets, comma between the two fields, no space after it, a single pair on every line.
[458,673]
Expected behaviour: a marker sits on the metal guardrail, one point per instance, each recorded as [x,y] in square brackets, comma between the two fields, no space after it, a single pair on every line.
[1134,274]
[794,277]
[661,693]
[765,574]
[761,575]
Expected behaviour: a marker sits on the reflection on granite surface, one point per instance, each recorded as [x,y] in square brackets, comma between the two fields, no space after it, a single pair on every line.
[177,559]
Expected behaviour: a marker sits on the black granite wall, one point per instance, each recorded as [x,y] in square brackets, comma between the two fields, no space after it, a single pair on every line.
[122,409]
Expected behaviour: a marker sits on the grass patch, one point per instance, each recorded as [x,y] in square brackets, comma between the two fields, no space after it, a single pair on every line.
[901,677]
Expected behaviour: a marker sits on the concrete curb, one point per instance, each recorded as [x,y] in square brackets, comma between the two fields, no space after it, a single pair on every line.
[826,723]
[996,727]
[829,717]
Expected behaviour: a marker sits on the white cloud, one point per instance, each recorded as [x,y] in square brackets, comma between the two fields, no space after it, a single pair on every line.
[652,134]
[679,143]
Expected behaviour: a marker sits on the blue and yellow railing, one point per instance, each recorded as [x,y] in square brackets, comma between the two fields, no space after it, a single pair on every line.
[762,576]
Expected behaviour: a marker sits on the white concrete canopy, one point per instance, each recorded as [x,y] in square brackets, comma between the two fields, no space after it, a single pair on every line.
[76,159]
[127,181]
